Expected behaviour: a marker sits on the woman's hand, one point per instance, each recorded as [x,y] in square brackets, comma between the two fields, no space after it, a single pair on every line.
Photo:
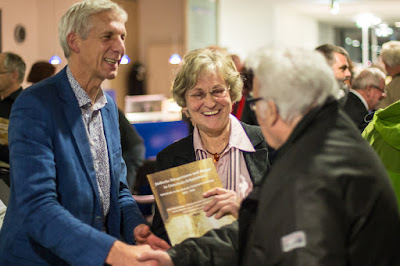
[224,202]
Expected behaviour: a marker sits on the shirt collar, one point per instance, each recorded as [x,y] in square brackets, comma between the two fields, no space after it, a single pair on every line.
[82,97]
[14,95]
[361,98]
[237,139]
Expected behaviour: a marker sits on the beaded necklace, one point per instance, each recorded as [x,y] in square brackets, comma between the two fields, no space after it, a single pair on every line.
[217,154]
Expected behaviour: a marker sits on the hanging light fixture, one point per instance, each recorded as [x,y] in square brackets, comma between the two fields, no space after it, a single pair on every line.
[335,7]
[125,60]
[175,59]
[367,20]
[55,60]
[383,30]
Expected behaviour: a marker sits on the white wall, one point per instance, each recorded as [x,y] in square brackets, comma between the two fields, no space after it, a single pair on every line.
[247,25]
[40,18]
[294,29]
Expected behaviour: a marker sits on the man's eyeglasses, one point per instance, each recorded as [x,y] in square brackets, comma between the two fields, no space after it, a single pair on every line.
[379,89]
[252,103]
[217,93]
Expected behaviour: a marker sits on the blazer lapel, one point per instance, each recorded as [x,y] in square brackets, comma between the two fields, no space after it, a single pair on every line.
[73,117]
[185,152]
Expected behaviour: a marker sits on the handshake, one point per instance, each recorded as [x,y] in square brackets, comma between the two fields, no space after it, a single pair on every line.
[150,250]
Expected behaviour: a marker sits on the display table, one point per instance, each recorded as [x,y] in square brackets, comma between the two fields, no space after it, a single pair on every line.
[158,135]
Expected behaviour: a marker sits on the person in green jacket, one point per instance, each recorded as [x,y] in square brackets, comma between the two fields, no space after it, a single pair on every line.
[383,134]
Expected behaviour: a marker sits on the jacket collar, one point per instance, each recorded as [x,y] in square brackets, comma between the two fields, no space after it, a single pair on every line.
[257,162]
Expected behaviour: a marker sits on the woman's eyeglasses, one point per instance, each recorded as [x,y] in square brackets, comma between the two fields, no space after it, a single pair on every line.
[217,93]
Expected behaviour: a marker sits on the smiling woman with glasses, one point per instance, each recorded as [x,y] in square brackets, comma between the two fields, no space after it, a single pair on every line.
[206,86]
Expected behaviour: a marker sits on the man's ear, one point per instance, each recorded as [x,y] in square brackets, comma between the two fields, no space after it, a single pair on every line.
[73,41]
[272,112]
[14,75]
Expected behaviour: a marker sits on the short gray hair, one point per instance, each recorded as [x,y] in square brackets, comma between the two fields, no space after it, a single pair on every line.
[200,61]
[13,62]
[390,53]
[295,79]
[78,19]
[367,77]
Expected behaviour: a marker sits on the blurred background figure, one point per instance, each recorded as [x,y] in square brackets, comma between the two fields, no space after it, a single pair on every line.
[12,73]
[237,61]
[338,58]
[248,115]
[368,89]
[137,79]
[41,70]
[390,56]
[133,149]
[239,107]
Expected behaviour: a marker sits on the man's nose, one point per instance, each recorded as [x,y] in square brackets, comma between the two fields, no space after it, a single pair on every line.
[119,46]
[347,73]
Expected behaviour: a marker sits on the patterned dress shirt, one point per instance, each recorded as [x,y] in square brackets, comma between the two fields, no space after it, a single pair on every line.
[93,121]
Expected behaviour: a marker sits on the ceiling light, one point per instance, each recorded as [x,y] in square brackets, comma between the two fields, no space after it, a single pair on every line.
[175,59]
[125,60]
[335,7]
[383,30]
[367,20]
[55,60]
[355,43]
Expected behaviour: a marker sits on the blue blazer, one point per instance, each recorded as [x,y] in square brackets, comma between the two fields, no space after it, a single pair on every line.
[54,214]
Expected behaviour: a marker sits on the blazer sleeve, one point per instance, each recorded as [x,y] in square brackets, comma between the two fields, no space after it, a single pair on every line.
[34,175]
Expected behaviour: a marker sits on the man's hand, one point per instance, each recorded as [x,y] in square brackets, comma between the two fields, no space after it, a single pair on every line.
[143,235]
[162,257]
[224,202]
[122,254]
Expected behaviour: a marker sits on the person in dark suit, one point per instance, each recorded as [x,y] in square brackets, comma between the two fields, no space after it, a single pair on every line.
[368,89]
[12,72]
[206,86]
[133,149]
[69,201]
[327,199]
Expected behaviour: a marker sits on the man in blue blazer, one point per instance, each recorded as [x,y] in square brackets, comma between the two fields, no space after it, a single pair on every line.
[70,202]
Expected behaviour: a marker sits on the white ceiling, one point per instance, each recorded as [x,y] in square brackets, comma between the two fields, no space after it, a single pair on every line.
[387,10]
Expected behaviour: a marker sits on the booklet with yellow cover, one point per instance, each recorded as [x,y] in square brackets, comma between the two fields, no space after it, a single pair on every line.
[179,195]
